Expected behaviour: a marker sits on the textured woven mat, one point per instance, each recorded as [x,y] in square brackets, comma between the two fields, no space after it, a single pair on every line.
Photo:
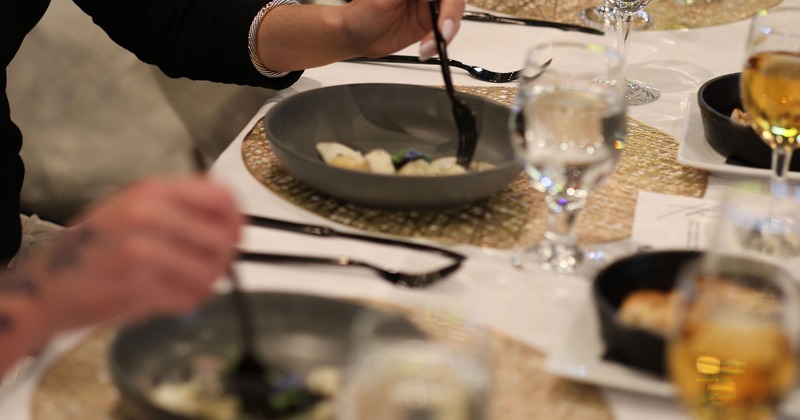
[666,14]
[79,385]
[511,218]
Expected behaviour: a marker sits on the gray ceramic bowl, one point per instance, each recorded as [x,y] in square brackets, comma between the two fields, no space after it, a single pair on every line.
[296,332]
[392,117]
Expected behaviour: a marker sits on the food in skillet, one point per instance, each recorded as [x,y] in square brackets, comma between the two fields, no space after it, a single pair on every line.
[404,162]
[740,117]
[201,393]
[650,310]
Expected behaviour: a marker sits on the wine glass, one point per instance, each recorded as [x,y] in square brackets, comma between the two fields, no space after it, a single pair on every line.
[735,321]
[568,128]
[753,222]
[397,372]
[731,349]
[637,92]
[770,86]
[603,16]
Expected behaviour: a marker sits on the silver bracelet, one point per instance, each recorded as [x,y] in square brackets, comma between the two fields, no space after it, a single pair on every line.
[251,37]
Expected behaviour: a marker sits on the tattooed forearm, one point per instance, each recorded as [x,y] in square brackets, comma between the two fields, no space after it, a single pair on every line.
[5,323]
[67,252]
[18,283]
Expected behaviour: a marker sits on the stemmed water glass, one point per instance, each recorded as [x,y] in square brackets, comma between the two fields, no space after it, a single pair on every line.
[604,16]
[637,92]
[568,128]
[770,86]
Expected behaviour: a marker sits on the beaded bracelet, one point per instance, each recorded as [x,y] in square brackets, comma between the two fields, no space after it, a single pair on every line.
[251,37]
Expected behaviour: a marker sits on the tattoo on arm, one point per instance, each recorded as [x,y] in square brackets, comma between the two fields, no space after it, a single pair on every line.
[18,283]
[5,323]
[67,253]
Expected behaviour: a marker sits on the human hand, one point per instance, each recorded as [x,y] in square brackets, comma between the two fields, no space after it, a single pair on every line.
[382,27]
[156,247]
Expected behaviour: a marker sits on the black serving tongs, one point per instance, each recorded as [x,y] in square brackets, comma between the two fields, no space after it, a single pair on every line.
[413,280]
[463,115]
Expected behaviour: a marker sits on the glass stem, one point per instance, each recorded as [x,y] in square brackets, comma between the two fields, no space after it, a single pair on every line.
[624,26]
[781,158]
[561,228]
[560,248]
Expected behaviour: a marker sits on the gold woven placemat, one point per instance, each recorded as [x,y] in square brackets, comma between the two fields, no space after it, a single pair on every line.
[666,14]
[79,386]
[512,218]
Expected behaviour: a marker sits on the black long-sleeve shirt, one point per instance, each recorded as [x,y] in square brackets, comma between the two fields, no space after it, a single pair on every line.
[198,39]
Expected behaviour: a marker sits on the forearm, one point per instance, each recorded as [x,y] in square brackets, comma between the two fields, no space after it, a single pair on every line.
[24,327]
[301,37]
[295,37]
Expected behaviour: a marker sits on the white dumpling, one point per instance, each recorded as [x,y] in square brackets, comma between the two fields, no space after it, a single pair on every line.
[419,167]
[480,166]
[339,155]
[380,162]
[447,166]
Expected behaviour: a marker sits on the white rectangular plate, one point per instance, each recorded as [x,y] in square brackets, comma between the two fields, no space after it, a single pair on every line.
[579,357]
[695,151]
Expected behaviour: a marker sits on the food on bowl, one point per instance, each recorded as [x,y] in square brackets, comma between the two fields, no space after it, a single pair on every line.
[201,393]
[647,310]
[339,155]
[380,162]
[409,162]
[650,310]
[740,117]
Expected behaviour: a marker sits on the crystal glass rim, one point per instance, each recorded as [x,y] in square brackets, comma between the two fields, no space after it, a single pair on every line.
[761,21]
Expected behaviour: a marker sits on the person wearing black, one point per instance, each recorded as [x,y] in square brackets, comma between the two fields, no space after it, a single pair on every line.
[159,245]
[244,42]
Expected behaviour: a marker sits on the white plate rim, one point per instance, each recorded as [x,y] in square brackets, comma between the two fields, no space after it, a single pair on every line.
[694,151]
[579,357]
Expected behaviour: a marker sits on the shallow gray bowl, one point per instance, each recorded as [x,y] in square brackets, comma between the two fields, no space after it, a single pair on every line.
[295,332]
[393,117]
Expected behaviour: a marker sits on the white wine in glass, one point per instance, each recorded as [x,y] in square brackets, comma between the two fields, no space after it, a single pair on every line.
[732,347]
[770,86]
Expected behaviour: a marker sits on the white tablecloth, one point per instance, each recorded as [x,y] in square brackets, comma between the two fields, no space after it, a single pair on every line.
[534,306]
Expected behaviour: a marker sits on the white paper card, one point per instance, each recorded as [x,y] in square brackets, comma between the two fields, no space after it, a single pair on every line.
[664,221]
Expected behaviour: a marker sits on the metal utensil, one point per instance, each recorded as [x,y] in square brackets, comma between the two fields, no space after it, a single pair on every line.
[324,231]
[488,17]
[392,275]
[463,114]
[256,384]
[476,71]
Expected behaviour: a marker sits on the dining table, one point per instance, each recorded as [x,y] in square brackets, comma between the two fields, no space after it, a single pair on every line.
[538,317]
